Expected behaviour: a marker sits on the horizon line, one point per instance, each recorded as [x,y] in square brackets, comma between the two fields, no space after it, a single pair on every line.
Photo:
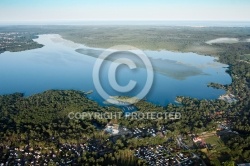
[180,23]
[100,20]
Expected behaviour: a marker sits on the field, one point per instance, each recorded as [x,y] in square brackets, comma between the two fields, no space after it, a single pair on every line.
[181,39]
[219,151]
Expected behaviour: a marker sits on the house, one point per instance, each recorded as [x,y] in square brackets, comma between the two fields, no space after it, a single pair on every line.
[197,139]
[112,128]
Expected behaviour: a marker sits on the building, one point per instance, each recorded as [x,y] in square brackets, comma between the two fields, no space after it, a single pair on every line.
[112,129]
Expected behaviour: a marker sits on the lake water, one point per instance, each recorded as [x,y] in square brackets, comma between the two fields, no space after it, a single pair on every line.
[58,65]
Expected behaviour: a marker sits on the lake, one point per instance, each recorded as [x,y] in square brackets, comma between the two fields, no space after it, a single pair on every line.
[62,64]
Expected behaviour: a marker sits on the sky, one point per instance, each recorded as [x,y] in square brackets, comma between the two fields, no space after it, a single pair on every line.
[94,10]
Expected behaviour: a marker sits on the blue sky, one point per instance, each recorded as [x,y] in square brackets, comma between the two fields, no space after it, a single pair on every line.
[50,10]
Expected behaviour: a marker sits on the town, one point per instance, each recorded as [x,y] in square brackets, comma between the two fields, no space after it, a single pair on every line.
[17,41]
[173,151]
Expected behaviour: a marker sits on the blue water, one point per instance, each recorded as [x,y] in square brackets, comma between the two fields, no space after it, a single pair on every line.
[58,66]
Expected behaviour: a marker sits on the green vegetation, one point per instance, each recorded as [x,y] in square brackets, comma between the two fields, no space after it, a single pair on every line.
[246,57]
[182,39]
[45,115]
[42,120]
[17,41]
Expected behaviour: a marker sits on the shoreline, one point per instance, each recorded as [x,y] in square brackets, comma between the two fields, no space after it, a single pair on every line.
[90,99]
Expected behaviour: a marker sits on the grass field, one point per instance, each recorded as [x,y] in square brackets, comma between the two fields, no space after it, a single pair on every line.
[219,151]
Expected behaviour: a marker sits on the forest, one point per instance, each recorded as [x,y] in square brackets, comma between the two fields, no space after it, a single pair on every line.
[40,122]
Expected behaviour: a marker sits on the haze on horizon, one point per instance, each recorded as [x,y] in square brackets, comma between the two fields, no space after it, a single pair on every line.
[73,10]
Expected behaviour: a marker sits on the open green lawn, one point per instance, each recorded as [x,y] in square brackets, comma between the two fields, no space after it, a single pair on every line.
[214,140]
[218,151]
